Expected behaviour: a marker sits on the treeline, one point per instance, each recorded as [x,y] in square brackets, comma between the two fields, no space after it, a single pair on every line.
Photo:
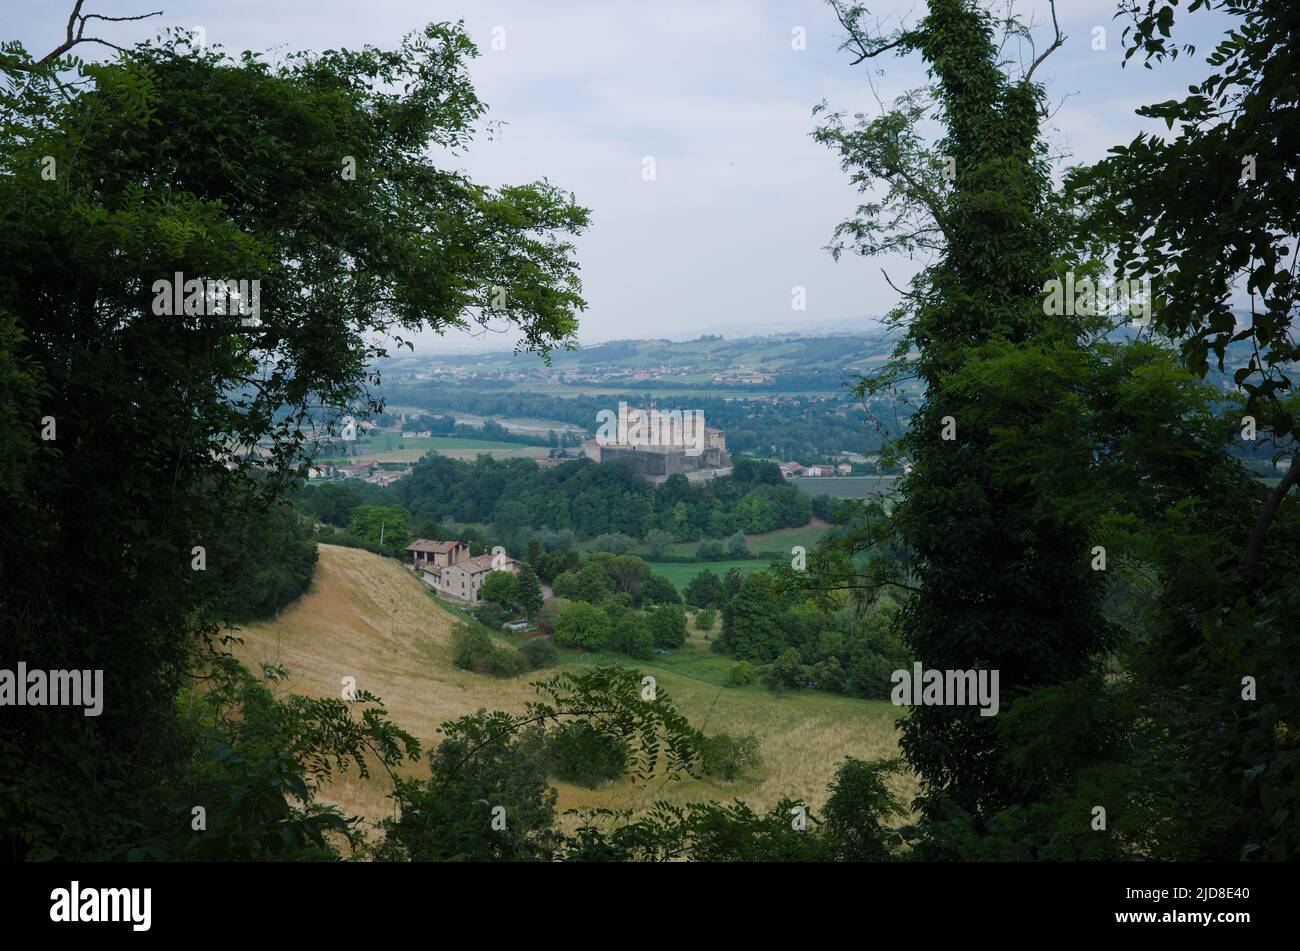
[805,427]
[440,425]
[259,559]
[592,499]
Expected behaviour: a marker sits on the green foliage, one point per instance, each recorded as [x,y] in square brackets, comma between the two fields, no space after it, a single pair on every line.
[657,542]
[632,636]
[787,672]
[1208,214]
[529,595]
[589,583]
[728,757]
[579,624]
[705,590]
[705,618]
[751,621]
[473,648]
[259,560]
[607,502]
[656,589]
[501,588]
[667,623]
[580,753]
[859,803]
[742,674]
[388,528]
[539,652]
[737,547]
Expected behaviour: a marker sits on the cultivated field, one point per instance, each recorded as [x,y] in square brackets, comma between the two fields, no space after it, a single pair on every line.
[369,618]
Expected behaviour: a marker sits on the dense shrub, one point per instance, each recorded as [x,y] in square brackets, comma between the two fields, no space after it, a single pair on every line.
[579,624]
[579,753]
[631,636]
[667,625]
[539,652]
[726,757]
[474,649]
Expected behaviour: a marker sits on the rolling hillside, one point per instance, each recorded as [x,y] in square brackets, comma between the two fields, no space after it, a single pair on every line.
[369,618]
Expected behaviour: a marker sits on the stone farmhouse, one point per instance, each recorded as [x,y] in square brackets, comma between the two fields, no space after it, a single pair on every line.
[448,568]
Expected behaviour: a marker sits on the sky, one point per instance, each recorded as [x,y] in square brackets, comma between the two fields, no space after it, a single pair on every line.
[743,201]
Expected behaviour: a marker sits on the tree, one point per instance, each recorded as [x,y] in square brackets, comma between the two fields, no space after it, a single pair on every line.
[657,542]
[705,590]
[656,589]
[859,801]
[632,636]
[787,672]
[387,528]
[580,624]
[999,576]
[141,194]
[529,595]
[668,625]
[737,546]
[501,587]
[1211,211]
[589,583]
[751,622]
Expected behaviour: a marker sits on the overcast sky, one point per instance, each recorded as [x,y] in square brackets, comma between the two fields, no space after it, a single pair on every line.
[744,202]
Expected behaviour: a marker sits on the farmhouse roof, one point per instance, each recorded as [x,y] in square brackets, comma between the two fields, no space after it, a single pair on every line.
[433,547]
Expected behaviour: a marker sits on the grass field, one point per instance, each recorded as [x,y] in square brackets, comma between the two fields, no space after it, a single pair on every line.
[782,540]
[680,574]
[390,447]
[369,618]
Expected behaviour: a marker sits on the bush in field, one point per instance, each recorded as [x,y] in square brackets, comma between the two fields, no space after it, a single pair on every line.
[727,757]
[829,675]
[579,753]
[787,672]
[711,551]
[579,624]
[657,542]
[539,652]
[705,618]
[615,543]
[473,649]
[743,674]
[737,546]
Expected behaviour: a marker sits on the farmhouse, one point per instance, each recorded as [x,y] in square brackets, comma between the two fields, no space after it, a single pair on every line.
[448,568]
[434,553]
